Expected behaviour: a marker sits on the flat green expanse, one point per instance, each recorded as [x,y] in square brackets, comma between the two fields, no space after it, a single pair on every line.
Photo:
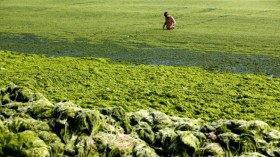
[223,56]
[238,36]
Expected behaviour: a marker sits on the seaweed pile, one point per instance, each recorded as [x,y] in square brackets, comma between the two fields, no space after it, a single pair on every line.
[32,126]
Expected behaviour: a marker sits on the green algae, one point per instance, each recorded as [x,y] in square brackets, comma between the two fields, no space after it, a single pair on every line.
[144,131]
[221,35]
[75,131]
[26,143]
[96,83]
[174,90]
[40,109]
[55,145]
[212,149]
[119,115]
[185,144]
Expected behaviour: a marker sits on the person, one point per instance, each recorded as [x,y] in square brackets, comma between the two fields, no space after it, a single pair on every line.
[169,21]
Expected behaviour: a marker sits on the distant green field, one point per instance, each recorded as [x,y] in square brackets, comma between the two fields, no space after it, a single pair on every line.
[239,36]
[223,57]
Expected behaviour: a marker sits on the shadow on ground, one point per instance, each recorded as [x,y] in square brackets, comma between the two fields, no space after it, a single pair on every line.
[142,54]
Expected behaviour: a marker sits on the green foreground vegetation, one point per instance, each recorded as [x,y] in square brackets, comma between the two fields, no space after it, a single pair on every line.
[221,62]
[183,91]
[31,126]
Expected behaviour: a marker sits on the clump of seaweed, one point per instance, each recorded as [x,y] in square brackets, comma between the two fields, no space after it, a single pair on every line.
[30,125]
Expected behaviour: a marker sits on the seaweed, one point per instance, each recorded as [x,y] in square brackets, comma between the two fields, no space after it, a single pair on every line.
[38,128]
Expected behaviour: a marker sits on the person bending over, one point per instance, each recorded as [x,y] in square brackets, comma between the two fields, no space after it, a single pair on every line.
[169,21]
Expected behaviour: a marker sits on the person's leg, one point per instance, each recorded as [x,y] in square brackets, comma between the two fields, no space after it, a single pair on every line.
[170,27]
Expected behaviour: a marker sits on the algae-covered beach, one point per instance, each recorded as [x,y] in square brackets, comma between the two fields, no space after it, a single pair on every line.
[102,78]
